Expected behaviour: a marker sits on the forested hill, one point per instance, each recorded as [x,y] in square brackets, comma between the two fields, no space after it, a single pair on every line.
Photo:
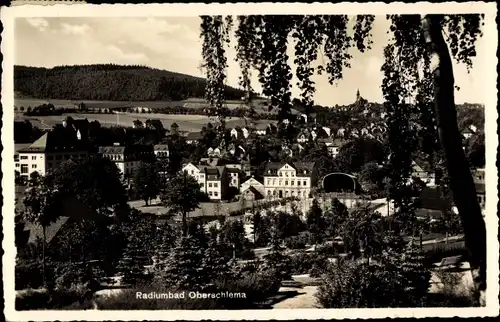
[109,82]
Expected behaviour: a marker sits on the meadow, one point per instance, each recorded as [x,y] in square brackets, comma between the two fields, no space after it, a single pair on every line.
[188,123]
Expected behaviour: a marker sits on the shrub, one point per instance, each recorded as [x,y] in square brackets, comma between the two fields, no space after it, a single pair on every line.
[295,242]
[32,299]
[29,274]
[257,286]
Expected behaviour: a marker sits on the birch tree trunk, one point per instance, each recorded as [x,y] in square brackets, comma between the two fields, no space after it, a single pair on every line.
[461,181]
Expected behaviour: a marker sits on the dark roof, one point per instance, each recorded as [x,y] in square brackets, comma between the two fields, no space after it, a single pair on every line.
[425,165]
[194,136]
[232,170]
[273,166]
[304,165]
[161,147]
[112,149]
[20,146]
[126,149]
[298,166]
[254,191]
[54,141]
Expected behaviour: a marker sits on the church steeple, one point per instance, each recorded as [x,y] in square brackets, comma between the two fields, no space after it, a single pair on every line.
[358,95]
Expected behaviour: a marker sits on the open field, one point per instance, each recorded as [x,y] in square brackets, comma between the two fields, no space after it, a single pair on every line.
[18,102]
[188,103]
[189,123]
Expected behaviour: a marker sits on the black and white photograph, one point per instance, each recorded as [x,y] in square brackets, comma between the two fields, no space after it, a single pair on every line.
[261,159]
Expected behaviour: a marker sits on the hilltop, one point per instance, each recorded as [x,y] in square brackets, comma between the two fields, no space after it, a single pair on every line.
[109,82]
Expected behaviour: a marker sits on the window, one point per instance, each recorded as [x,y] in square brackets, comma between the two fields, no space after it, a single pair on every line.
[210,185]
[268,192]
[24,157]
[16,157]
[216,184]
[268,182]
[216,194]
[33,157]
[17,165]
[298,183]
[24,168]
[305,183]
[210,193]
[292,183]
[274,181]
[192,171]
[286,182]
[33,166]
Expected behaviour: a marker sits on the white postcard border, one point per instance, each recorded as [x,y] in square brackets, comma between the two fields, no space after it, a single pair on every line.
[84,10]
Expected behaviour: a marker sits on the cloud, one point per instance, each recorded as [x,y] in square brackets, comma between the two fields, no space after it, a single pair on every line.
[38,23]
[70,29]
[122,56]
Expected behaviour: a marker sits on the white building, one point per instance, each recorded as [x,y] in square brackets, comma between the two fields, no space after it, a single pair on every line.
[127,158]
[283,180]
[47,153]
[333,146]
[213,180]
[161,151]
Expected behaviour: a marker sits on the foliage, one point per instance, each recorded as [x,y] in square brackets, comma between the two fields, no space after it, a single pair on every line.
[335,217]
[232,237]
[25,132]
[95,181]
[182,196]
[109,83]
[363,234]
[356,153]
[182,267]
[147,181]
[315,222]
[476,150]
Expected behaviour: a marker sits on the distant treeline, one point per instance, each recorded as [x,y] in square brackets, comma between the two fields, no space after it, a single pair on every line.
[110,83]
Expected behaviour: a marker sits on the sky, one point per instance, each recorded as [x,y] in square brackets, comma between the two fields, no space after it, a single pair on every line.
[174,44]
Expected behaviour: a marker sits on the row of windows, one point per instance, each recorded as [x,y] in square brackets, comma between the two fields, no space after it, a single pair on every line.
[65,156]
[215,185]
[213,193]
[292,182]
[282,193]
[285,173]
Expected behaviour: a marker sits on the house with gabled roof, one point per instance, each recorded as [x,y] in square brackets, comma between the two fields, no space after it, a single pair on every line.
[193,137]
[422,170]
[48,152]
[303,136]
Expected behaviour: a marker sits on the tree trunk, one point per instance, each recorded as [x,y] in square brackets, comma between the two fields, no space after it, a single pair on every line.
[184,224]
[461,181]
[43,257]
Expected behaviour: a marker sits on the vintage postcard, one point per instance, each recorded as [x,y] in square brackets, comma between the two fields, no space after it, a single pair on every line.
[249,161]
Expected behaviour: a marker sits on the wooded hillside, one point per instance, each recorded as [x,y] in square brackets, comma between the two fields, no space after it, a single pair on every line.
[109,82]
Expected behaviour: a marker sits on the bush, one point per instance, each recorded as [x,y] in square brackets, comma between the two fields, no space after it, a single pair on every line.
[256,285]
[350,284]
[31,299]
[252,286]
[296,242]
[29,274]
